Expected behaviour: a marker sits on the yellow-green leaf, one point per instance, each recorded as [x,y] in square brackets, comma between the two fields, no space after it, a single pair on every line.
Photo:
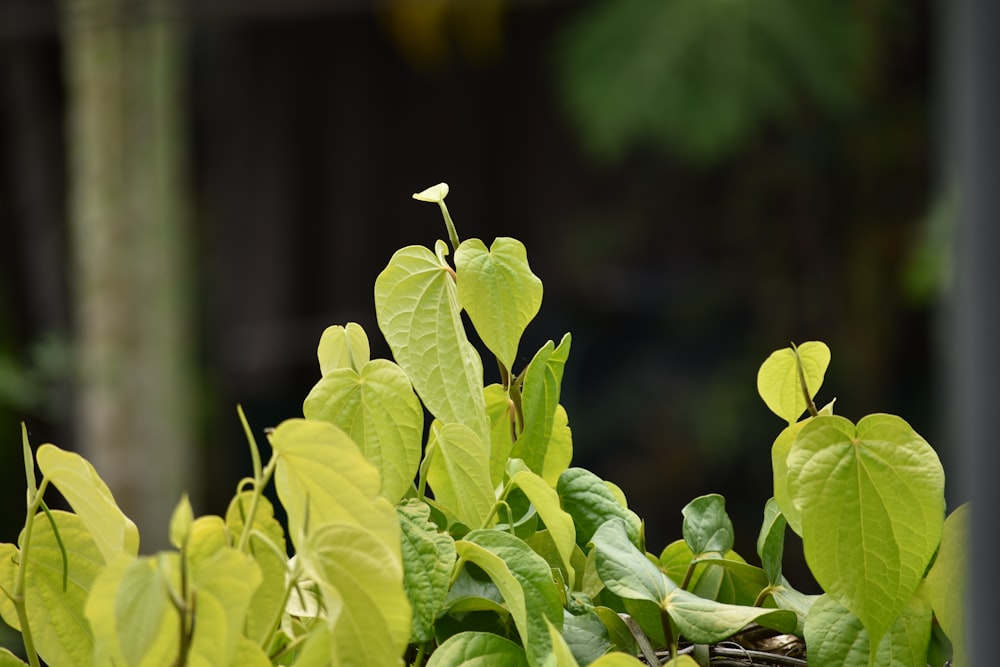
[946,582]
[343,347]
[459,473]
[780,384]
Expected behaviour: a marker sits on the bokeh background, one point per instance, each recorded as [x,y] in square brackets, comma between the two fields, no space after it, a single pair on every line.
[191,192]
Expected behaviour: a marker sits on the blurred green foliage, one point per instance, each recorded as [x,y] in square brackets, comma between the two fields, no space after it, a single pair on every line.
[698,77]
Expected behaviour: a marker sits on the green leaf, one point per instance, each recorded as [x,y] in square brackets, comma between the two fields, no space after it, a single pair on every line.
[478,649]
[499,292]
[524,580]
[428,559]
[946,581]
[706,622]
[540,401]
[871,500]
[8,659]
[362,583]
[707,528]
[133,621]
[249,654]
[377,408]
[729,579]
[585,636]
[56,617]
[779,382]
[459,472]
[434,194]
[786,597]
[416,303]
[771,541]
[500,409]
[267,546]
[180,522]
[624,569]
[78,482]
[223,585]
[559,523]
[343,347]
[321,477]
[590,502]
[835,636]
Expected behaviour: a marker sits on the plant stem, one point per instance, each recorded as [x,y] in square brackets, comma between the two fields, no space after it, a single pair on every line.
[258,490]
[17,595]
[452,233]
[421,652]
[688,574]
[802,383]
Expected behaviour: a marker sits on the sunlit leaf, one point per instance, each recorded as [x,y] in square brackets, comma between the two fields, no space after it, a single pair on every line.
[559,523]
[871,499]
[8,659]
[377,408]
[223,585]
[459,473]
[500,410]
[362,583]
[180,522]
[416,303]
[780,384]
[88,495]
[322,475]
[946,582]
[343,347]
[541,390]
[499,292]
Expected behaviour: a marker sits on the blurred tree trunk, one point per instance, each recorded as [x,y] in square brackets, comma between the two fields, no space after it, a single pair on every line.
[124,74]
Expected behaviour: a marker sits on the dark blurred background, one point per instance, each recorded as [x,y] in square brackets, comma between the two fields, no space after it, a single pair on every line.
[698,183]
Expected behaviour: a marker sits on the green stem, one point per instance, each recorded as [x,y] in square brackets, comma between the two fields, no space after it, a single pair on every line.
[762,596]
[500,502]
[668,633]
[258,490]
[452,233]
[17,595]
[421,653]
[688,574]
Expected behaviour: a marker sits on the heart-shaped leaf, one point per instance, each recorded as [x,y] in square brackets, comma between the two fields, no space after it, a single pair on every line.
[377,408]
[499,292]
[428,559]
[624,569]
[771,541]
[416,303]
[589,500]
[780,378]
[343,347]
[945,585]
[871,500]
[707,528]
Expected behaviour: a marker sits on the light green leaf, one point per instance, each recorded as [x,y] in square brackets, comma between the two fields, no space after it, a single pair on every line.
[267,547]
[624,569]
[500,409]
[459,472]
[478,649]
[524,580]
[871,500]
[223,585]
[88,495]
[729,579]
[771,541]
[946,582]
[779,466]
[786,597]
[434,194]
[56,617]
[590,502]
[362,583]
[322,476]
[540,401]
[585,636]
[379,411]
[707,527]
[416,303]
[835,636]
[705,621]
[249,654]
[559,523]
[180,522]
[343,347]
[779,382]
[428,559]
[8,659]
[499,292]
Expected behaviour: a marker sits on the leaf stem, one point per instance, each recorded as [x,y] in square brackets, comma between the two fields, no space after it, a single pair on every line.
[258,490]
[421,653]
[452,233]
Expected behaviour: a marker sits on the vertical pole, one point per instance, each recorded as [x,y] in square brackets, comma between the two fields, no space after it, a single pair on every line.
[973,71]
[123,69]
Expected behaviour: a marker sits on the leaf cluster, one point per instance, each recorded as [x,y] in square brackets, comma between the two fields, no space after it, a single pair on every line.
[470,539]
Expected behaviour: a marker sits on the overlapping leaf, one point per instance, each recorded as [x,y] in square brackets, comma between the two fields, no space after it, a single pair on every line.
[478,649]
[343,347]
[590,502]
[946,582]
[499,292]
[377,408]
[416,303]
[779,382]
[428,558]
[459,472]
[877,488]
[540,400]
